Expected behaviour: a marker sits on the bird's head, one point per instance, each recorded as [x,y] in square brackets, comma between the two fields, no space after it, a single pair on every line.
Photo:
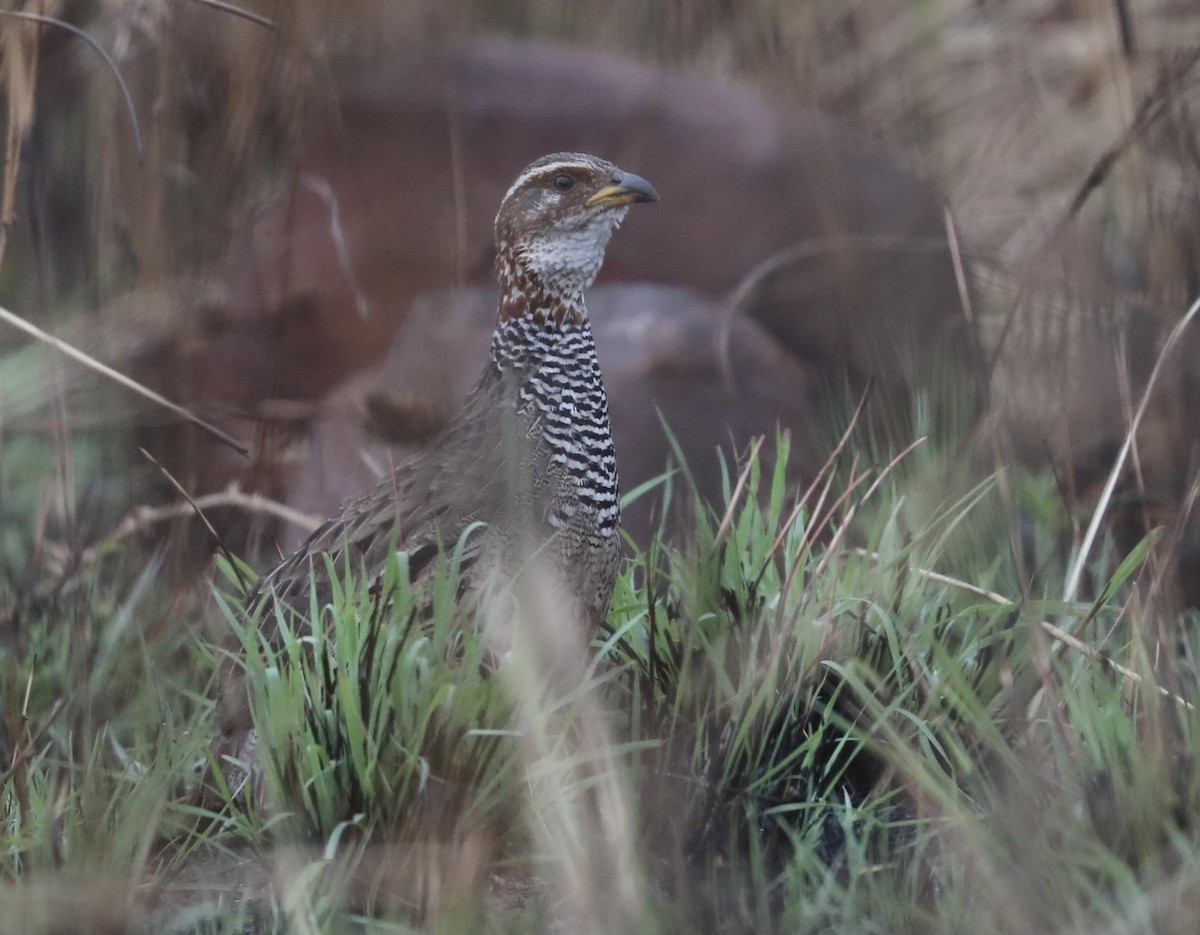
[557,217]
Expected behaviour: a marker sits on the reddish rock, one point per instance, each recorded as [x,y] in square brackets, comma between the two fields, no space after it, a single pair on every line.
[396,183]
[821,238]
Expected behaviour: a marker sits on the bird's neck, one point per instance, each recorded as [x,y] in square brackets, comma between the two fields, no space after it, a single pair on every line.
[537,323]
[525,293]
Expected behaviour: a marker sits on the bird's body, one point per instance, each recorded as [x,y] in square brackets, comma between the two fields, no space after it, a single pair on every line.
[529,456]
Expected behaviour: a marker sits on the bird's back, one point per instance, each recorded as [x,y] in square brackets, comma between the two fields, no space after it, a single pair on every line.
[528,458]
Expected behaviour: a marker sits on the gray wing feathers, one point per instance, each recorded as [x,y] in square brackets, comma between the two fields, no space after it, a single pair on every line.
[428,501]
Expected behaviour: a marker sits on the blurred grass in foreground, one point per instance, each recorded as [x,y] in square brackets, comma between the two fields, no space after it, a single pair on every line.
[811,733]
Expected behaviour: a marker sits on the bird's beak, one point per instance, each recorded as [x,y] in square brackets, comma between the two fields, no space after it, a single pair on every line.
[631,189]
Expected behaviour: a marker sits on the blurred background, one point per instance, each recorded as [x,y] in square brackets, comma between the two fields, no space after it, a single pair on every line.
[975,219]
[978,216]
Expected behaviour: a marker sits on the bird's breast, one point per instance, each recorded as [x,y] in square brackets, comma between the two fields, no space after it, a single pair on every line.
[561,396]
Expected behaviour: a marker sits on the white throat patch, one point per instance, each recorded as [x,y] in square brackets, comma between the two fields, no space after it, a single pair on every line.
[567,259]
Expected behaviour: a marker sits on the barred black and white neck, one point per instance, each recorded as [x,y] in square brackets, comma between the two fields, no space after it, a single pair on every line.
[543,342]
[557,377]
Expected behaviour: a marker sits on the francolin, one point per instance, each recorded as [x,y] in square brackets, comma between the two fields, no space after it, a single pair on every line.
[529,456]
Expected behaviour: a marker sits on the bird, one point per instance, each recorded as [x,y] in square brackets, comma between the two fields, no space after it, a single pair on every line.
[527,464]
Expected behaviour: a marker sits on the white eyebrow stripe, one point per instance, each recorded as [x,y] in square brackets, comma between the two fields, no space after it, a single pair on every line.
[546,168]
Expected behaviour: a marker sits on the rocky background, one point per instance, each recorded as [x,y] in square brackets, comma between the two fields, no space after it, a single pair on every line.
[979,217]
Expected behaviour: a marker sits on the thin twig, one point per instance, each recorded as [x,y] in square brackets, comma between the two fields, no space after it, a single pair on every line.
[1085,548]
[99,49]
[848,519]
[17,124]
[727,519]
[818,514]
[244,14]
[814,533]
[960,273]
[824,472]
[88,361]
[231,497]
[26,751]
[337,235]
[735,302]
[1056,633]
[204,519]
[1151,108]
[142,518]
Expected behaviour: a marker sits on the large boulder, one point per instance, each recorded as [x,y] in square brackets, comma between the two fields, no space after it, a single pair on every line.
[395,184]
[777,221]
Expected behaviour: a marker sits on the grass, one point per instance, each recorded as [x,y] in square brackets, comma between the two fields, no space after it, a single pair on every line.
[787,726]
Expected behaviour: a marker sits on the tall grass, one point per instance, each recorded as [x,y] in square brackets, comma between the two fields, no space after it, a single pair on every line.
[809,732]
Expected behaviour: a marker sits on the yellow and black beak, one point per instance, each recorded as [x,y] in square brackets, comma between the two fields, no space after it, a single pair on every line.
[625,189]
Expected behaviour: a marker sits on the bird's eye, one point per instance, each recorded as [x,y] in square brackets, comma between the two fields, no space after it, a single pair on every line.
[564,182]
